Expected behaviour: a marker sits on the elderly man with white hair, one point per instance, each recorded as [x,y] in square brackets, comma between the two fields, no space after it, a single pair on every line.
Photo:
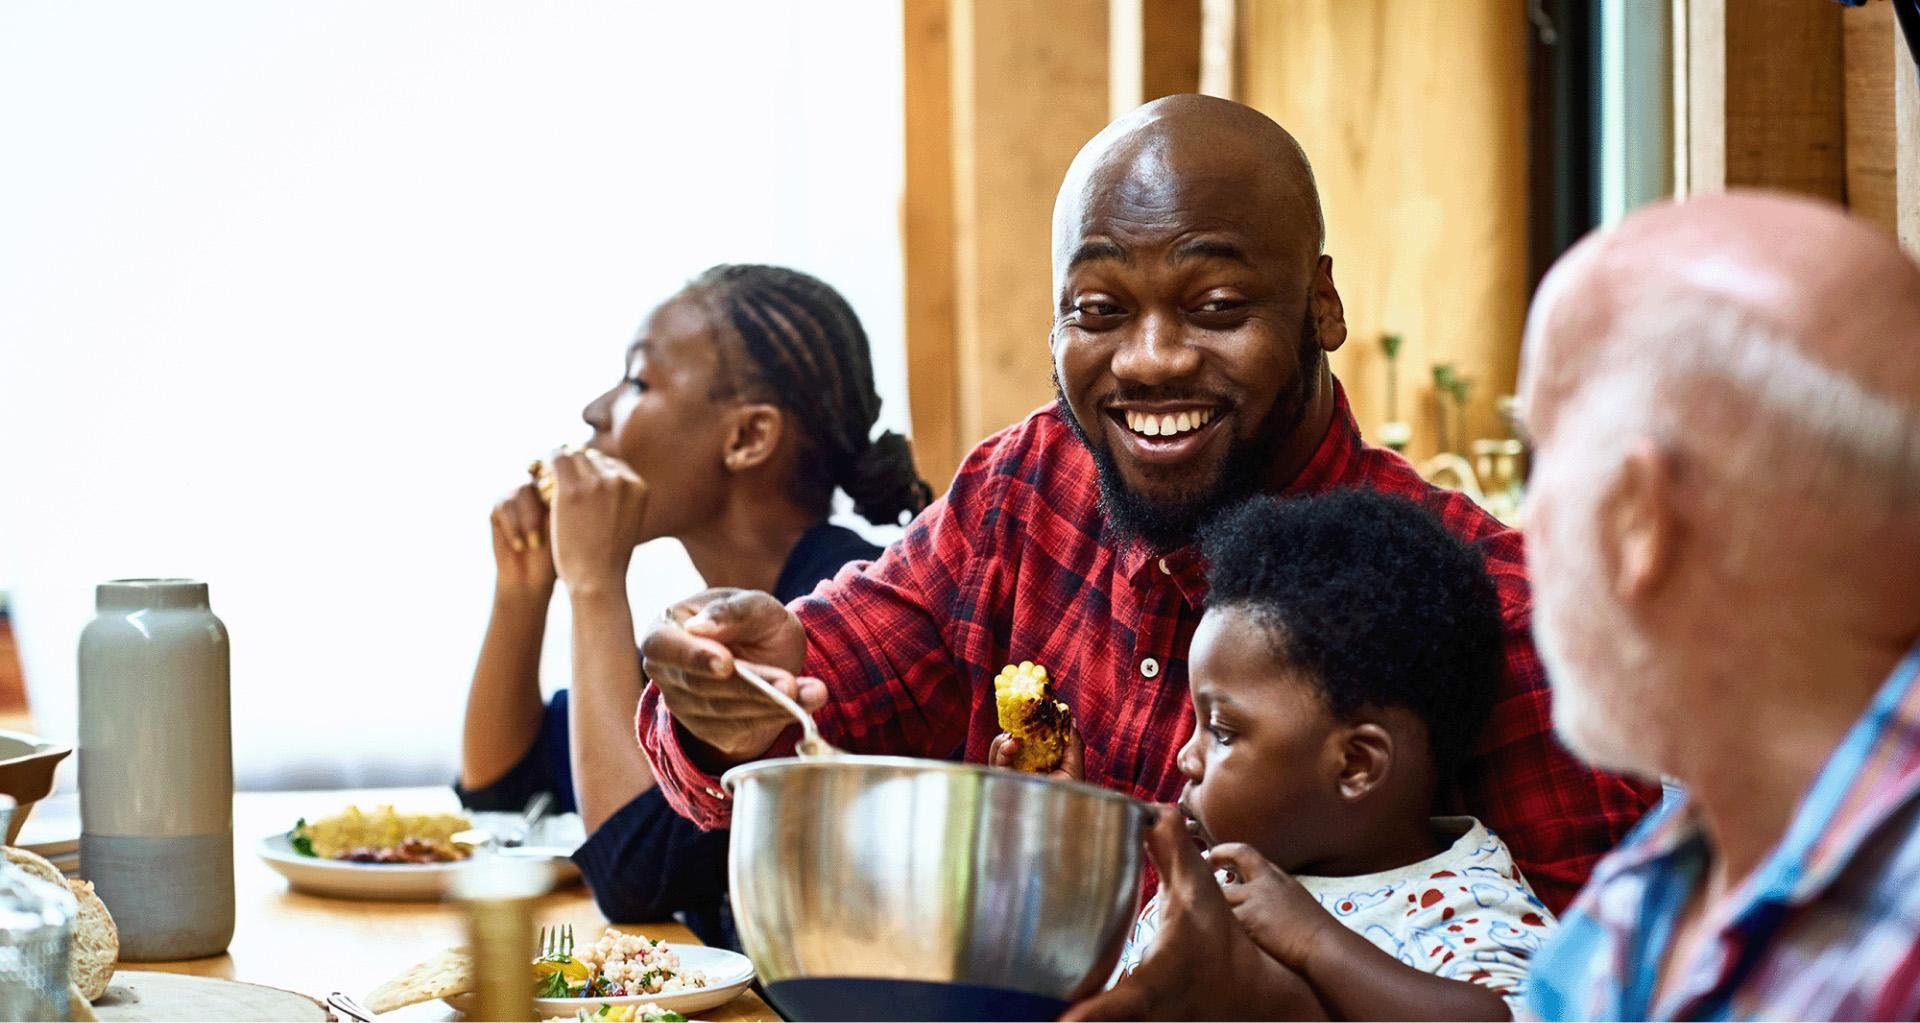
[1725,547]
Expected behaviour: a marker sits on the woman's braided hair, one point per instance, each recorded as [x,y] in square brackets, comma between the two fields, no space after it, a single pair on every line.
[805,347]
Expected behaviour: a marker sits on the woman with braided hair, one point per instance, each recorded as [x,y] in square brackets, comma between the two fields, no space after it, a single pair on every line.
[746,401]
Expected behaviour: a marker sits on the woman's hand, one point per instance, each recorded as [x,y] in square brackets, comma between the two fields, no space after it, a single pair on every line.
[522,558]
[1073,764]
[599,513]
[1282,917]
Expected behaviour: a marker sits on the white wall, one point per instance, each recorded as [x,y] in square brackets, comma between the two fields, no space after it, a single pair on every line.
[289,292]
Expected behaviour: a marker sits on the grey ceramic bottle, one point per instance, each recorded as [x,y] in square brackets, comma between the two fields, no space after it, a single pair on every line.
[156,768]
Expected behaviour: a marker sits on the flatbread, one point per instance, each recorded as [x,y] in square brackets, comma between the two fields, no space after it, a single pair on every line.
[449,973]
[96,940]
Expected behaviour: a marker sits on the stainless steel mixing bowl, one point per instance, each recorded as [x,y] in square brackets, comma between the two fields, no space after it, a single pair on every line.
[928,886]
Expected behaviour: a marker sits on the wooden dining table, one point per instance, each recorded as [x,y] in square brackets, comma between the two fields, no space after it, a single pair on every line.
[314,945]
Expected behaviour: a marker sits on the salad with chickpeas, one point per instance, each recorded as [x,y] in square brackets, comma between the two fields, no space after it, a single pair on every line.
[617,965]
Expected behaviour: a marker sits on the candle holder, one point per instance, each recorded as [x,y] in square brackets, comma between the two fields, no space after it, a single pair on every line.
[1395,432]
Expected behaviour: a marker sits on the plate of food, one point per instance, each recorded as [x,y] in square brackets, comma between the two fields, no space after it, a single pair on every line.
[620,976]
[387,855]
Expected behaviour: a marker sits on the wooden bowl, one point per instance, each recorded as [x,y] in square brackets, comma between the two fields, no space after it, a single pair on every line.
[26,773]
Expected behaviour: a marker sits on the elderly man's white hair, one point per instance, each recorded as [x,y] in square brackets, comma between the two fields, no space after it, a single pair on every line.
[1723,362]
[1680,367]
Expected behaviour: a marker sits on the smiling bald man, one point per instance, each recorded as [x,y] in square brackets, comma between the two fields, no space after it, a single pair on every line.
[1195,310]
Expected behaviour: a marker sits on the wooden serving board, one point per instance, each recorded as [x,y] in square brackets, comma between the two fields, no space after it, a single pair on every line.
[140,996]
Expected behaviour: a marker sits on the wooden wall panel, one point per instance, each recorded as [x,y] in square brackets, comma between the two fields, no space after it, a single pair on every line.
[926,231]
[13,686]
[1868,43]
[1766,96]
[999,97]
[1155,47]
[1414,115]
[1809,97]
[1906,84]
[1784,90]
[1029,89]
[1220,48]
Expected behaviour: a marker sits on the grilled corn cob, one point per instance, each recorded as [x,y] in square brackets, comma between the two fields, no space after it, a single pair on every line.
[1028,711]
[542,474]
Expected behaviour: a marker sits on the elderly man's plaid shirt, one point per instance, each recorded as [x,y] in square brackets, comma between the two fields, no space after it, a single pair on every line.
[1017,563]
[1827,928]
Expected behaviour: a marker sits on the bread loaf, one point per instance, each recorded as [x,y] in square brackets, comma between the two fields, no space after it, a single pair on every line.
[96,941]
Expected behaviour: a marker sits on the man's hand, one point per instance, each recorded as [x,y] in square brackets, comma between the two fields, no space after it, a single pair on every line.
[599,512]
[1073,764]
[1201,965]
[1282,917]
[693,663]
[522,559]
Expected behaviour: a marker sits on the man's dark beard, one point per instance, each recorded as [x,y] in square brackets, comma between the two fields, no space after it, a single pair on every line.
[1167,524]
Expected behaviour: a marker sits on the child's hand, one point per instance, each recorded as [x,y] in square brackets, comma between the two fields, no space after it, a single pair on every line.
[1200,966]
[1073,764]
[1282,917]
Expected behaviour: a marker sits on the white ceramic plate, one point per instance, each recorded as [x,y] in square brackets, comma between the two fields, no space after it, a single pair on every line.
[413,882]
[728,974]
[555,840]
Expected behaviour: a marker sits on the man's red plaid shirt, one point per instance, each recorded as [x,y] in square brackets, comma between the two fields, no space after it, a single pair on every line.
[1017,563]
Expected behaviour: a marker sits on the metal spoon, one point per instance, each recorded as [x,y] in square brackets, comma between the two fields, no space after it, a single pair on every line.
[349,1007]
[530,818]
[811,746]
[536,811]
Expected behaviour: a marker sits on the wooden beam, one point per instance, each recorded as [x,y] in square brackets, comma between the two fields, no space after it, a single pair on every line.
[1682,127]
[1155,47]
[1029,89]
[1220,48]
[1869,43]
[1414,116]
[926,231]
[1766,97]
[1906,106]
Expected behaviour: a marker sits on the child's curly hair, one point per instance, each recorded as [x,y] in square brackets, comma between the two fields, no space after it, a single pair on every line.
[1380,602]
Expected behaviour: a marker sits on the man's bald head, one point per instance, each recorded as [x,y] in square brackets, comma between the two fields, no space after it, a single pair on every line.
[1190,289]
[1725,399]
[1793,312]
[1839,291]
[1154,155]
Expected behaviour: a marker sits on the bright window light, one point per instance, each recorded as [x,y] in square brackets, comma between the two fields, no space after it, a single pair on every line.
[291,292]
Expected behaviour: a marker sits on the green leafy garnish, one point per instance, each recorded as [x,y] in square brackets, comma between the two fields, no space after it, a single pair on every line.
[301,841]
[553,985]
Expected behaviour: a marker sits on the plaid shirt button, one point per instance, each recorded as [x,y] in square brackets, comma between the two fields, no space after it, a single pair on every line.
[1150,668]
